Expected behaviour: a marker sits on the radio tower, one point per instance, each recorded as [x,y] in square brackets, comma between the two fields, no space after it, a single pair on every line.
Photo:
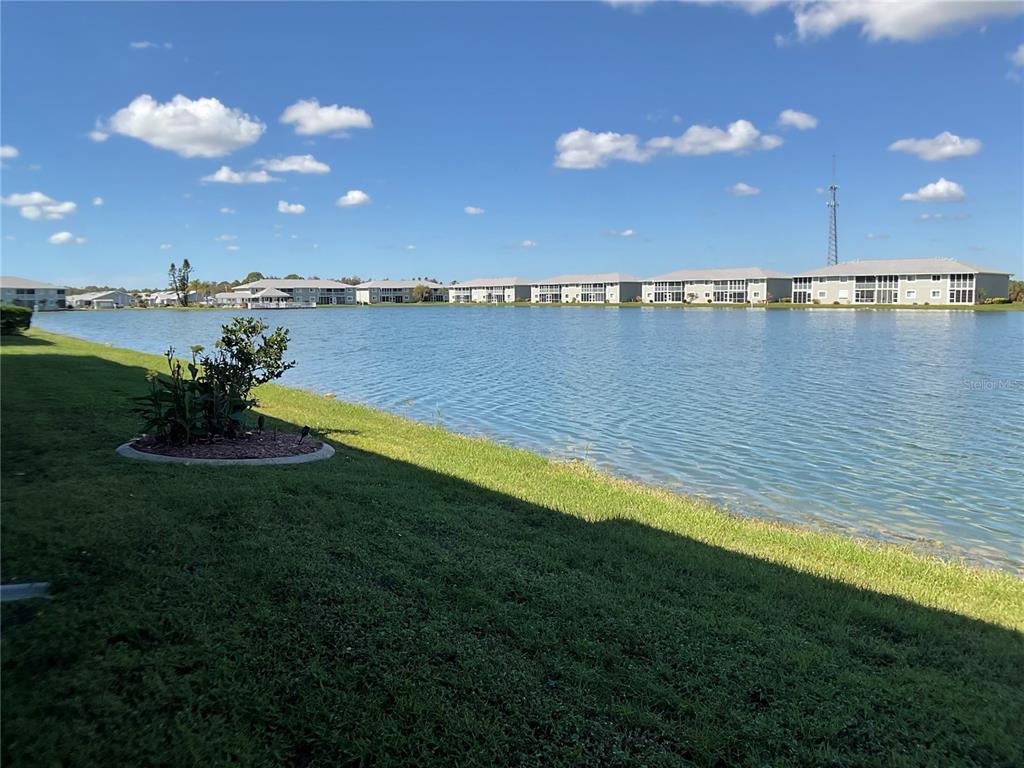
[833,204]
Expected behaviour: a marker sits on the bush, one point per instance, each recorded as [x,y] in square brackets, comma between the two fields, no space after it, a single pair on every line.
[14,319]
[215,398]
[785,300]
[996,300]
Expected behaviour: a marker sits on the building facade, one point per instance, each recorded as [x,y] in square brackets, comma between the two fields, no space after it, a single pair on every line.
[741,285]
[32,294]
[900,281]
[490,290]
[312,293]
[599,288]
[100,300]
[398,292]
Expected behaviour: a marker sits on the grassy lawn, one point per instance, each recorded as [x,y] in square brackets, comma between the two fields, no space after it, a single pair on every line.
[428,599]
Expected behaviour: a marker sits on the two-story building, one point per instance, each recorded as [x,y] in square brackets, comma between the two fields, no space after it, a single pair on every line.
[303,293]
[737,285]
[490,290]
[900,281]
[33,294]
[598,288]
[399,292]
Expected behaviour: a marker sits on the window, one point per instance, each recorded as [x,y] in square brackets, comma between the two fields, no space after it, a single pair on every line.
[911,294]
[757,294]
[936,294]
[936,278]
[961,289]
[549,294]
[822,294]
[864,290]
[801,290]
[592,292]
[669,292]
[730,291]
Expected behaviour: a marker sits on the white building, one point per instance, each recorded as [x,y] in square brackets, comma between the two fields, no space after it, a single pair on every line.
[100,300]
[739,285]
[306,293]
[600,288]
[490,290]
[900,281]
[32,294]
[228,299]
[398,291]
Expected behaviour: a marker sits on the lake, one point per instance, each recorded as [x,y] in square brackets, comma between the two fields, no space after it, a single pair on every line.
[902,425]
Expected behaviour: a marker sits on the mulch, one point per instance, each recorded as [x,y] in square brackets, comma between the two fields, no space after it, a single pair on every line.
[252,446]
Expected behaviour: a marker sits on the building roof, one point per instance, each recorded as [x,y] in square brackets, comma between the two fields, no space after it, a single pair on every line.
[399,284]
[270,282]
[900,267]
[729,273]
[600,277]
[271,293]
[226,295]
[9,281]
[487,282]
[94,295]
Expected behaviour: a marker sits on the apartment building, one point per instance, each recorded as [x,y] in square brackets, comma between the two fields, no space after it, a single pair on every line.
[32,294]
[100,300]
[310,293]
[900,281]
[599,288]
[490,290]
[738,285]
[398,292]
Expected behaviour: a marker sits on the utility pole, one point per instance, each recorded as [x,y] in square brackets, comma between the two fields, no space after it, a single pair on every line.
[833,233]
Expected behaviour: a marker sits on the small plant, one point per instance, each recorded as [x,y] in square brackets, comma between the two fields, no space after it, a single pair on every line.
[14,319]
[215,397]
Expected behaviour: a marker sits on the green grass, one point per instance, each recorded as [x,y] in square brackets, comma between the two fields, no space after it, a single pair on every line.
[428,599]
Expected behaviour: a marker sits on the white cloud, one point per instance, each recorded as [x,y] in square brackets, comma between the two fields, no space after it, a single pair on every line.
[166,246]
[295,164]
[527,244]
[309,118]
[19,199]
[98,134]
[739,136]
[472,210]
[142,45]
[799,120]
[626,233]
[233,248]
[225,238]
[286,207]
[1017,57]
[8,152]
[941,191]
[943,216]
[200,128]
[353,198]
[908,20]
[876,236]
[35,205]
[227,210]
[410,247]
[581,149]
[97,200]
[742,189]
[225,175]
[63,238]
[943,147]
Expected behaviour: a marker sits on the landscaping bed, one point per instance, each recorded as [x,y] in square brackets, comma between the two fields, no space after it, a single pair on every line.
[250,446]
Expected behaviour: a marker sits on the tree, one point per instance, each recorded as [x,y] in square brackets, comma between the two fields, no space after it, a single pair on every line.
[1016,290]
[252,277]
[179,281]
[422,293]
[292,276]
[353,280]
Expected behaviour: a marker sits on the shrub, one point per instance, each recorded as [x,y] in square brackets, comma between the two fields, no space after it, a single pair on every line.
[215,398]
[14,319]
[996,300]
[785,300]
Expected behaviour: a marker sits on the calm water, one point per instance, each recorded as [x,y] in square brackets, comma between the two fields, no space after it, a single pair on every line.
[901,425]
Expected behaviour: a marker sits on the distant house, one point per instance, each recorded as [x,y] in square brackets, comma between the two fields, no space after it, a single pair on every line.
[600,288]
[100,300]
[900,281]
[228,299]
[167,298]
[737,285]
[490,290]
[310,293]
[32,294]
[398,291]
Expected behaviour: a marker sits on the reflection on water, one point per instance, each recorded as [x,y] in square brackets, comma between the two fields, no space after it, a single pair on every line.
[898,425]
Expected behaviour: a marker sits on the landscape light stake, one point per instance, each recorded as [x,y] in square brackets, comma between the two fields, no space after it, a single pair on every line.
[305,431]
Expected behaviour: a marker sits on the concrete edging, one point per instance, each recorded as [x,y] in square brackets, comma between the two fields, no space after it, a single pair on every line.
[128,452]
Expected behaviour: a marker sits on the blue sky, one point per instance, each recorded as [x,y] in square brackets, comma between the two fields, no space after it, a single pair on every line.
[462,104]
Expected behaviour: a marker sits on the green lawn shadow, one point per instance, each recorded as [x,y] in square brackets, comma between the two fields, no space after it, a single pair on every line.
[369,610]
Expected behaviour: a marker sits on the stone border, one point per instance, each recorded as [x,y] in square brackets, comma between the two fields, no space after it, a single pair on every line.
[126,451]
[11,592]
